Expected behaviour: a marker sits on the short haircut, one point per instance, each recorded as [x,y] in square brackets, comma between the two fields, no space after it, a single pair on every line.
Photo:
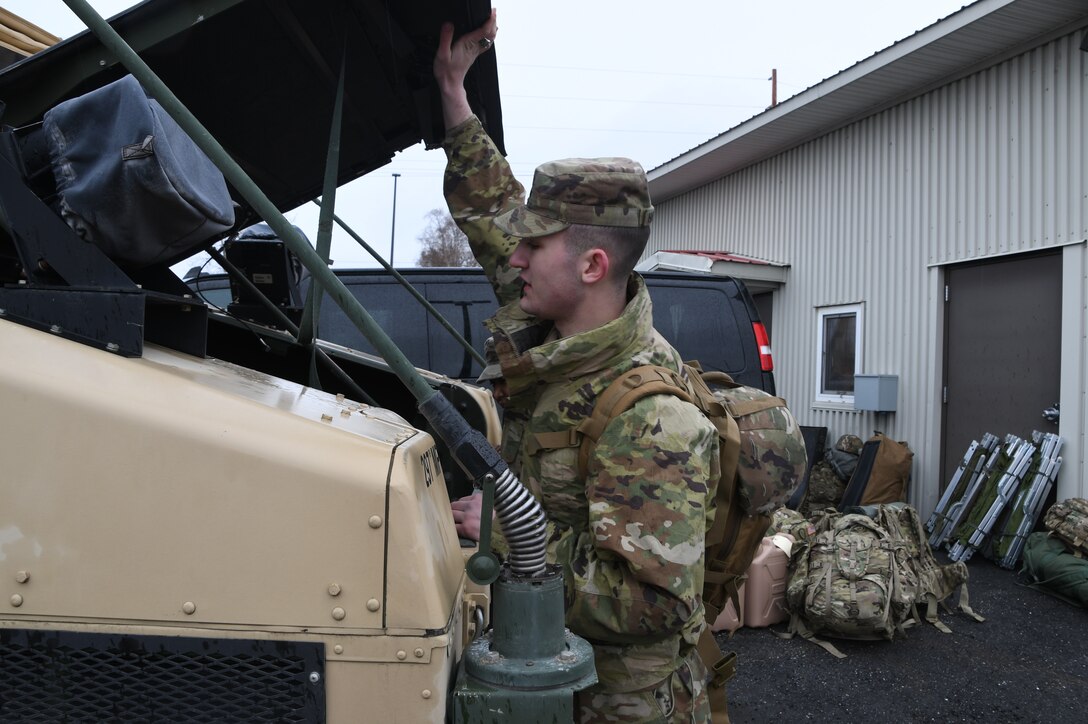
[623,245]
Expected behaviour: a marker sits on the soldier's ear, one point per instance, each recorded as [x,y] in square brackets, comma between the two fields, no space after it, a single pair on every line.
[594,265]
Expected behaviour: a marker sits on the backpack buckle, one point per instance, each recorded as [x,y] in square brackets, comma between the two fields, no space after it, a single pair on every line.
[723,670]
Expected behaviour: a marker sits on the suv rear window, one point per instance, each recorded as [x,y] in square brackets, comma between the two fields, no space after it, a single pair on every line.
[701,324]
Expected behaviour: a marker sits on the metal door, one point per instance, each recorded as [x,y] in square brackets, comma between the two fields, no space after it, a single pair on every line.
[1002,350]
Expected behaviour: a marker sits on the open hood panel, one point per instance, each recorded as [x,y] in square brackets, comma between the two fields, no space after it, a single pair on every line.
[261,76]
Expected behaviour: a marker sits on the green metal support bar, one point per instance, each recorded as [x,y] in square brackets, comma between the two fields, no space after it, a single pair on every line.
[411,290]
[312,312]
[330,364]
[237,274]
[320,272]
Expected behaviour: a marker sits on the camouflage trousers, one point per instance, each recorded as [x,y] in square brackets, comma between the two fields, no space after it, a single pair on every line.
[680,697]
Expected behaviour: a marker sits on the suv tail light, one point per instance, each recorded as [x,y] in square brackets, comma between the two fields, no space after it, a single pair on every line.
[766,362]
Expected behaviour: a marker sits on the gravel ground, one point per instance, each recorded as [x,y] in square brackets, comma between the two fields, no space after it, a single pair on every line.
[1028,662]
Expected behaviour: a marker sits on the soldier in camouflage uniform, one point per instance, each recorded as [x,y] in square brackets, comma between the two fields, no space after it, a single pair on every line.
[629,536]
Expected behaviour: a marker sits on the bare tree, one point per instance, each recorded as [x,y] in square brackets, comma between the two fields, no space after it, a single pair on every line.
[443,243]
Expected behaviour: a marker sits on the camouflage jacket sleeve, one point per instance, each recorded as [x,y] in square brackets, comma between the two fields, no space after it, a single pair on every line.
[637,569]
[479,186]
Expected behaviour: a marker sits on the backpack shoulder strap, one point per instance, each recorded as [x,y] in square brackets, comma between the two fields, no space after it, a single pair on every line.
[620,396]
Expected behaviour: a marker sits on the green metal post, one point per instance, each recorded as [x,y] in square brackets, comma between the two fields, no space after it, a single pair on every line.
[312,312]
[359,393]
[411,290]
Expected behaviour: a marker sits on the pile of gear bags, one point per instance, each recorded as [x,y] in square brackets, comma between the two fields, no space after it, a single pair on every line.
[847,558]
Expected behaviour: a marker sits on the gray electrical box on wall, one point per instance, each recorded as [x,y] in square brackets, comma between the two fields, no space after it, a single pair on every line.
[876,393]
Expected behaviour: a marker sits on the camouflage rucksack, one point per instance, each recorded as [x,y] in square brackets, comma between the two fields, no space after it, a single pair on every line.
[846,582]
[762,456]
[865,574]
[825,489]
[1068,520]
[926,582]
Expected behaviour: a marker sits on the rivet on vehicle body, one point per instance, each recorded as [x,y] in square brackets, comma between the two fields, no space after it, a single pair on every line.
[326,418]
[338,649]
[375,521]
[16,600]
[402,655]
[339,396]
[22,576]
[373,605]
[418,653]
[314,677]
[339,613]
[426,693]
[345,413]
[334,589]
[189,608]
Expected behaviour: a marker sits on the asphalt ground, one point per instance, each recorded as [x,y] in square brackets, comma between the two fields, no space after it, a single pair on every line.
[1028,662]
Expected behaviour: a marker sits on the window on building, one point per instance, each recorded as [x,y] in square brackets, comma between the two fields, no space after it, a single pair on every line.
[839,352]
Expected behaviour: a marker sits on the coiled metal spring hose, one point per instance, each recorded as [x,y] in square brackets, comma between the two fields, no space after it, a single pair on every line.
[523,525]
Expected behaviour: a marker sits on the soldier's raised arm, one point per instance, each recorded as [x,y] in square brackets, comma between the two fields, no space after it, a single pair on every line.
[478,183]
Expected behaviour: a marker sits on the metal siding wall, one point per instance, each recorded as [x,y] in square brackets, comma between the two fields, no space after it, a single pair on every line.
[991,164]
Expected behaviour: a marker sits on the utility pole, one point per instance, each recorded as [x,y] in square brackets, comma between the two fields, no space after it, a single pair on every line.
[393,231]
[774,88]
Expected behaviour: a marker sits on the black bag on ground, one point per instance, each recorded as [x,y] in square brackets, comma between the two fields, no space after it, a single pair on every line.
[815,441]
[882,474]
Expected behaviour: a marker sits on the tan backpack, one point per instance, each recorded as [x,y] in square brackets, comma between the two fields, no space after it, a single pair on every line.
[753,427]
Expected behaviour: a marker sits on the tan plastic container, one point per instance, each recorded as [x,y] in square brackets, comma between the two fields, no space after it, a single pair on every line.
[765,589]
[729,620]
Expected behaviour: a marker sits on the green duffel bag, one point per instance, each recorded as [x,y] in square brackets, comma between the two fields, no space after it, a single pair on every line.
[1049,566]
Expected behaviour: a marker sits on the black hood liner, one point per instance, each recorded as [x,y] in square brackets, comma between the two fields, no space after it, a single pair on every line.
[261,76]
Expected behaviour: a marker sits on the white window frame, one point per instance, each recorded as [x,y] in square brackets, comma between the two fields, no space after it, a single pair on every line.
[845,399]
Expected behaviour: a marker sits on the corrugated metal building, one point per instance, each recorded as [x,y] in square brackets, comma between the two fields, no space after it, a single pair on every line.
[925,213]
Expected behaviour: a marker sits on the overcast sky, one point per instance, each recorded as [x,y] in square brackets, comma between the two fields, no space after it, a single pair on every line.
[581,79]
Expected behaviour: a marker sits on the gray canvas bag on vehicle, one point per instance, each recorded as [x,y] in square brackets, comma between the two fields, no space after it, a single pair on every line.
[130,179]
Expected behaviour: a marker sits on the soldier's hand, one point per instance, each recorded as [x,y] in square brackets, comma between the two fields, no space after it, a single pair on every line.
[466,515]
[452,60]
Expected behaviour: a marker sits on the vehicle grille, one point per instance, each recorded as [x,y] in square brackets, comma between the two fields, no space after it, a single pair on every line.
[53,676]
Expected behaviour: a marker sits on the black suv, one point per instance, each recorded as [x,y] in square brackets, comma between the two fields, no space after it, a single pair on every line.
[707,318]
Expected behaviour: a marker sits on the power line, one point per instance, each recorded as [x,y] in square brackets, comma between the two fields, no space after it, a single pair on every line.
[617,130]
[704,76]
[632,100]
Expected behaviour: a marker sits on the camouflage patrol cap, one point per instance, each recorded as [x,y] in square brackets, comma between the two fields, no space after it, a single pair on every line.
[849,444]
[594,191]
[493,371]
